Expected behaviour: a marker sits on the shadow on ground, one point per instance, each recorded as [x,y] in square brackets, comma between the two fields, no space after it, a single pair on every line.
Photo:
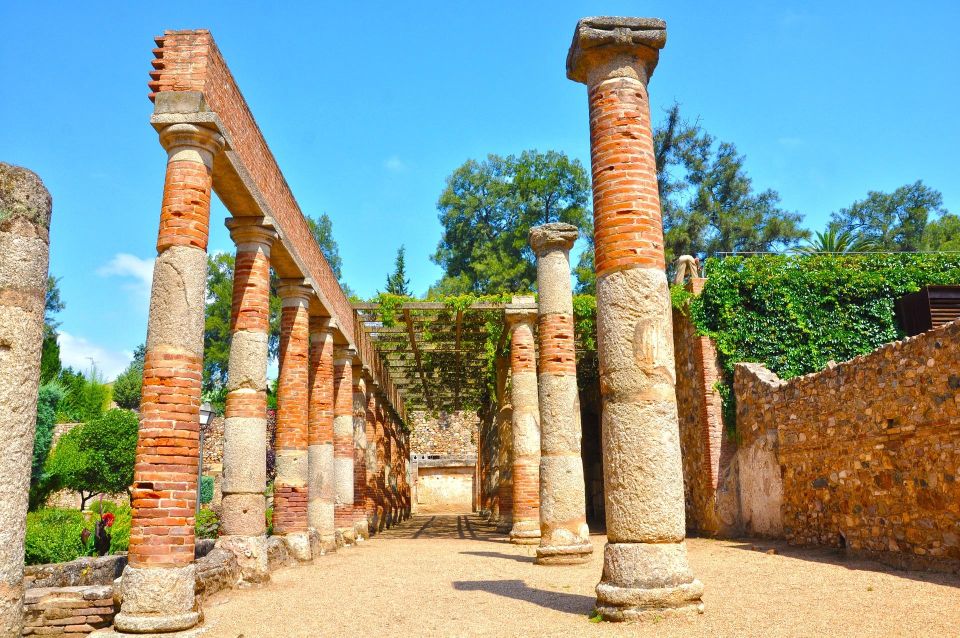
[839,557]
[518,590]
[446,526]
[519,559]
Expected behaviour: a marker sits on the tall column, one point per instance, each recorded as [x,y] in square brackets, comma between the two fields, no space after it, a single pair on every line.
[565,538]
[158,582]
[245,426]
[370,456]
[343,441]
[290,492]
[380,482]
[501,456]
[25,207]
[526,427]
[320,489]
[360,527]
[645,561]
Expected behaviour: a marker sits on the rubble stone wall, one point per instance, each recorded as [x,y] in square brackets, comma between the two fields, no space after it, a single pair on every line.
[868,451]
[446,434]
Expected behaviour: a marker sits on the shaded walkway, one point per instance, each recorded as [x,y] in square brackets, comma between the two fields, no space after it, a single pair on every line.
[456,576]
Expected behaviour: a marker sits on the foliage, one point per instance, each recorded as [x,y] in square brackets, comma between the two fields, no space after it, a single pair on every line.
[796,313]
[837,241]
[50,364]
[397,282]
[207,524]
[50,395]
[894,221]
[50,355]
[268,515]
[95,457]
[322,230]
[85,396]
[943,234]
[128,386]
[55,535]
[206,489]
[487,210]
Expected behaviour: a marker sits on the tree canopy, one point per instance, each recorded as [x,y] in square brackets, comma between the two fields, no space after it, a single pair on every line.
[893,221]
[487,210]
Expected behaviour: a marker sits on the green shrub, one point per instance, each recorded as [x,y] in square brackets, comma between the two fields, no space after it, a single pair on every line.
[49,397]
[206,489]
[207,524]
[53,536]
[85,398]
[268,514]
[128,388]
[796,313]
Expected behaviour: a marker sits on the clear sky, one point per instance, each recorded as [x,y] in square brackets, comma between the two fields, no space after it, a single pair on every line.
[369,106]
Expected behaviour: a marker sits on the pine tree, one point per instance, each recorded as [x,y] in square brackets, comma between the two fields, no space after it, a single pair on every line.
[398,283]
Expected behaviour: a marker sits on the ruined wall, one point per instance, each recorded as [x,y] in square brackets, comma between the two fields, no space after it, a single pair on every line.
[446,434]
[867,451]
[445,489]
[706,450]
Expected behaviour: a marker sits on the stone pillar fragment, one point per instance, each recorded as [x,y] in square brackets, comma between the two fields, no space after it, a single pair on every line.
[321,490]
[360,526]
[343,441]
[290,491]
[245,427]
[645,564]
[159,580]
[524,398]
[564,535]
[25,207]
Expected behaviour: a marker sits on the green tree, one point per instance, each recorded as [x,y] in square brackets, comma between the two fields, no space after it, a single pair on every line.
[708,201]
[128,386]
[49,396]
[943,234]
[397,282]
[895,221]
[322,230]
[85,398]
[837,242]
[487,210]
[95,458]
[50,364]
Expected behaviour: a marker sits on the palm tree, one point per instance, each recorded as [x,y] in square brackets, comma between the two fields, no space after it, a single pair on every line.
[838,242]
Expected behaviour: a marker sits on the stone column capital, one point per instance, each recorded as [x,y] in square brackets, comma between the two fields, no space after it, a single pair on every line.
[294,291]
[322,326]
[518,317]
[551,237]
[344,355]
[251,230]
[180,136]
[610,47]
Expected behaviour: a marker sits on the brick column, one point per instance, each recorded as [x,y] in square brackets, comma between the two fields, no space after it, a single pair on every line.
[379,482]
[502,514]
[343,441]
[290,492]
[645,563]
[565,538]
[245,426]
[321,489]
[158,582]
[370,456]
[405,464]
[25,207]
[526,427]
[360,527]
[388,468]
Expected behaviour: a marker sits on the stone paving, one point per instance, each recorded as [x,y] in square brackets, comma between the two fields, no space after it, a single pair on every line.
[456,576]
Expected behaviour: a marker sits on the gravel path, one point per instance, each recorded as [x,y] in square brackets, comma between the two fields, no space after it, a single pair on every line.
[454,576]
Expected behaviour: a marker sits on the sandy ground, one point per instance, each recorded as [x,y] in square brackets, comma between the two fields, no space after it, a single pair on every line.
[455,576]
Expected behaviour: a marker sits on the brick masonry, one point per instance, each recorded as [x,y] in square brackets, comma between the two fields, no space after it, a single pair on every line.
[868,450]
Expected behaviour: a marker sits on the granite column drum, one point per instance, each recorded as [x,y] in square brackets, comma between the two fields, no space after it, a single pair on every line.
[343,441]
[245,427]
[526,427]
[290,490]
[320,487]
[159,580]
[564,535]
[25,207]
[645,562]
[360,526]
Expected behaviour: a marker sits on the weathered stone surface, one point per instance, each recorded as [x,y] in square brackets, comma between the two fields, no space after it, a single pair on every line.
[866,450]
[597,40]
[158,599]
[216,571]
[23,195]
[251,554]
[83,572]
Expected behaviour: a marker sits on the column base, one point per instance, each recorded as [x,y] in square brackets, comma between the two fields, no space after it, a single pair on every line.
[113,633]
[620,604]
[645,580]
[298,544]
[345,537]
[252,556]
[361,529]
[525,533]
[504,524]
[563,554]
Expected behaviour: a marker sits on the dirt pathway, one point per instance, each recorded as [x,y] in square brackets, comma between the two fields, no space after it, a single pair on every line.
[455,576]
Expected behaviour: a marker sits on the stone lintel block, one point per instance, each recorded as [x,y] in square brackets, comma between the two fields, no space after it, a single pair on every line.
[598,39]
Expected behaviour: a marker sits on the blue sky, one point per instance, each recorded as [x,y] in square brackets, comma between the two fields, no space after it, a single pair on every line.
[369,106]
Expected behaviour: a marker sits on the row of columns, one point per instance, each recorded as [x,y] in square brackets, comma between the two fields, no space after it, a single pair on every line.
[338,447]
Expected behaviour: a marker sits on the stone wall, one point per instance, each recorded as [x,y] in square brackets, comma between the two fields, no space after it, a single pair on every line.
[863,455]
[446,434]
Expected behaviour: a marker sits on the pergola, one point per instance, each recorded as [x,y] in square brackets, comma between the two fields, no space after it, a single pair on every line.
[437,353]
